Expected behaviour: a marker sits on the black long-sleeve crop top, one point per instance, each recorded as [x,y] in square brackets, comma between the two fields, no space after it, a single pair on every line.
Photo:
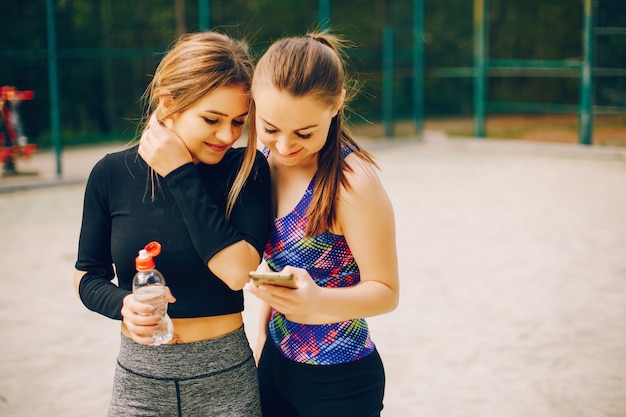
[120,217]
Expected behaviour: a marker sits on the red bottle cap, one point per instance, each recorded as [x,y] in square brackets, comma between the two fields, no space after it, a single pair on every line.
[153,248]
[144,260]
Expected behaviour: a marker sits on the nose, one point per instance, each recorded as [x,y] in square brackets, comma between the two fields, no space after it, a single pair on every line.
[283,146]
[225,133]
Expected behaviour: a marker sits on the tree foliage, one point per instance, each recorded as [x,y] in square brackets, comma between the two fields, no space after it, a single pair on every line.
[107,50]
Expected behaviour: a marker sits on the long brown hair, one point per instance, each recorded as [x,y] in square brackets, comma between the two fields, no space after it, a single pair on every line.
[314,65]
[195,65]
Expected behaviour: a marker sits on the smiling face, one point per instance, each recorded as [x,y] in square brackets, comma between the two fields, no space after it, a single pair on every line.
[294,129]
[212,124]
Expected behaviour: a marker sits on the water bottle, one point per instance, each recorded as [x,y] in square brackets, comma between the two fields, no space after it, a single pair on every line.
[149,288]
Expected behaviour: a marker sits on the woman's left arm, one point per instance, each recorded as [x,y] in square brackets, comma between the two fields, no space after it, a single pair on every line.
[366,219]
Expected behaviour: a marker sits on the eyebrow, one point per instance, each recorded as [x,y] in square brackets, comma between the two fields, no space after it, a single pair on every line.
[219,113]
[296,130]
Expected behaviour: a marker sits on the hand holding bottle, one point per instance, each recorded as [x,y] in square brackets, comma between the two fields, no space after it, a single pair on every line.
[142,319]
[145,311]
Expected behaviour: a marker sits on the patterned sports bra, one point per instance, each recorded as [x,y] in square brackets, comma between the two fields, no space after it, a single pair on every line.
[329,261]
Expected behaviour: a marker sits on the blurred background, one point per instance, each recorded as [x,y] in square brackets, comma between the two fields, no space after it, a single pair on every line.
[524,69]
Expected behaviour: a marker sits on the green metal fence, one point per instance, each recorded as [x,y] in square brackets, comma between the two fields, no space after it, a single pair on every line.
[582,68]
[396,61]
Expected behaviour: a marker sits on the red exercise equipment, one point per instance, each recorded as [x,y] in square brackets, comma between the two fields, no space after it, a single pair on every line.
[13,141]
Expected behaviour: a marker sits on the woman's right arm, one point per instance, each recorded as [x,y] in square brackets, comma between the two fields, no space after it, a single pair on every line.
[94,264]
[94,267]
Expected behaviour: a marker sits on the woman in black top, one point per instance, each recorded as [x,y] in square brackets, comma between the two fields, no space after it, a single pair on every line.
[211,217]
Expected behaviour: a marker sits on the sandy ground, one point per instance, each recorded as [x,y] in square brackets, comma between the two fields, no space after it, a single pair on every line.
[513,270]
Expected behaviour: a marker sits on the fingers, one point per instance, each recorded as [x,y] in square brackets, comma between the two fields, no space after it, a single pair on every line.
[299,273]
[162,148]
[142,340]
[280,298]
[158,135]
[154,123]
[161,131]
[131,306]
[142,328]
[168,295]
[141,333]
[140,319]
[147,148]
[292,270]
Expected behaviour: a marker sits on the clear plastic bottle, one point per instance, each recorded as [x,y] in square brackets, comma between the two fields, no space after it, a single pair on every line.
[149,288]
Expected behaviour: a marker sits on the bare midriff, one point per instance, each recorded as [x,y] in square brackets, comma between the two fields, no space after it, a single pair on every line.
[200,328]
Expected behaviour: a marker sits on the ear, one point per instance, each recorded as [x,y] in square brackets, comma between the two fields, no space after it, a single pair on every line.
[163,109]
[164,103]
[339,105]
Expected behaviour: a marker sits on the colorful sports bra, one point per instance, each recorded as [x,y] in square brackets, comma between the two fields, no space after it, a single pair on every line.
[329,261]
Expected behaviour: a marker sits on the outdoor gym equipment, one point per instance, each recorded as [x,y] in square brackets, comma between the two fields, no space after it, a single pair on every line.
[13,141]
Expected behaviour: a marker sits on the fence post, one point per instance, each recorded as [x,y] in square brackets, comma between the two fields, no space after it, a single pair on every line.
[204,15]
[323,14]
[586,81]
[418,66]
[388,80]
[480,72]
[53,80]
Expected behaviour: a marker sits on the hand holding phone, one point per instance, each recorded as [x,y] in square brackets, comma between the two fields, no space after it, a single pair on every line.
[280,279]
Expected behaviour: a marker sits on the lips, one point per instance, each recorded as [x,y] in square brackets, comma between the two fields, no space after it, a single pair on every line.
[292,154]
[217,148]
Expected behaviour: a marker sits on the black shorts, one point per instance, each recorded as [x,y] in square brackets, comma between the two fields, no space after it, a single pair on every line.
[288,388]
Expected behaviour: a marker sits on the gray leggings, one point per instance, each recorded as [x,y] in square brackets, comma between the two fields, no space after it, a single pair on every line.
[214,377]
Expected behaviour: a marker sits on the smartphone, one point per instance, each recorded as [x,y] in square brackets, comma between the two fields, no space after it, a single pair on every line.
[273,278]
